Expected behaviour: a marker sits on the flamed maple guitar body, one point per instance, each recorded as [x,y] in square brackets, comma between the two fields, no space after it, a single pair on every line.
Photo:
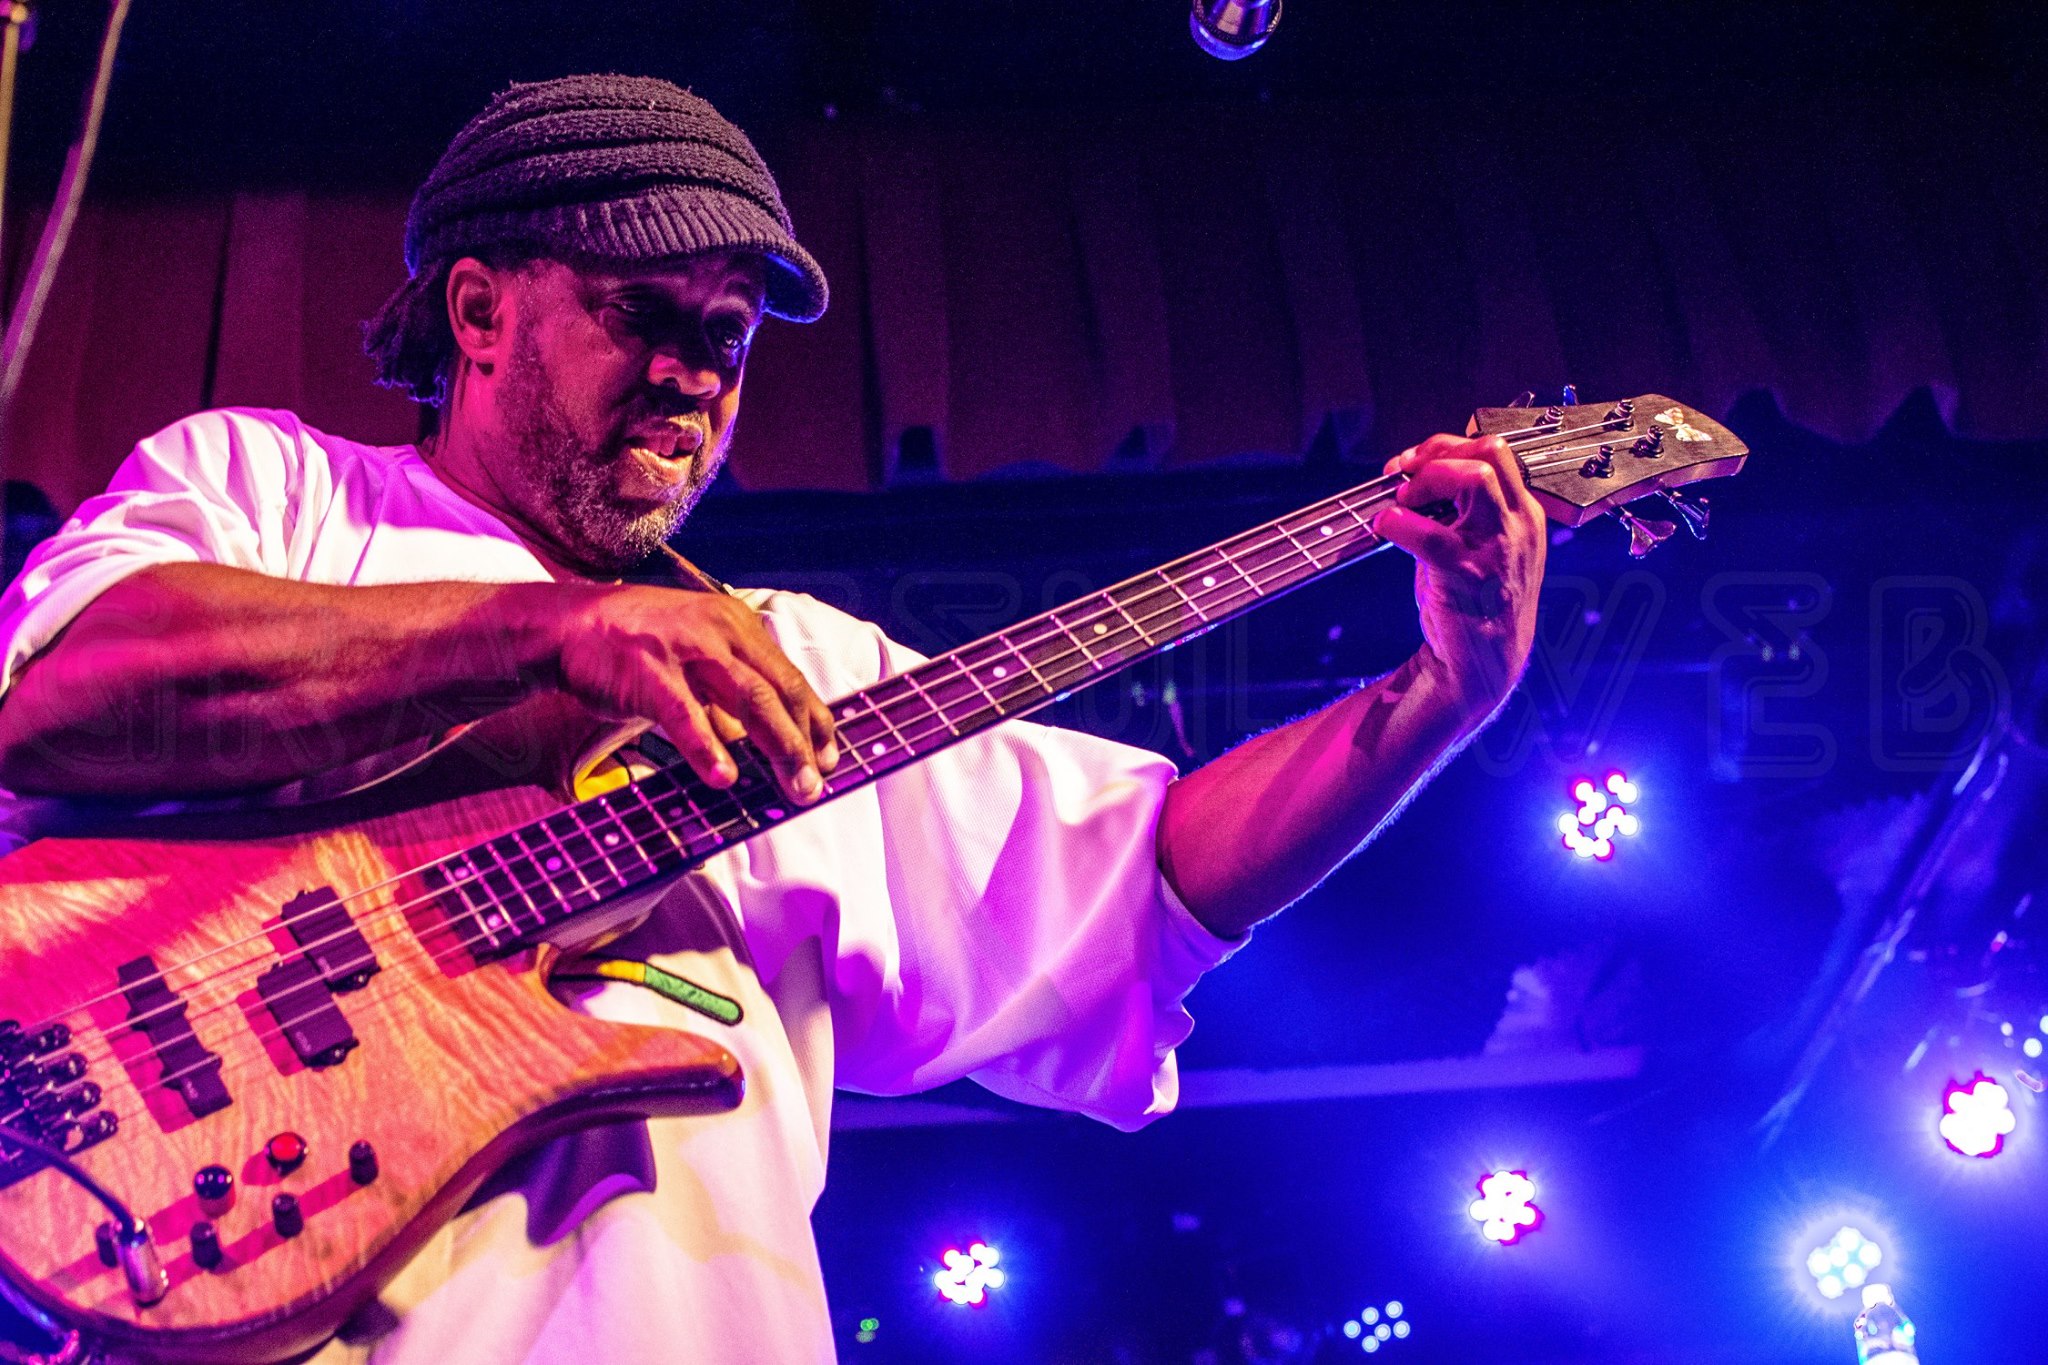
[203,982]
[459,1064]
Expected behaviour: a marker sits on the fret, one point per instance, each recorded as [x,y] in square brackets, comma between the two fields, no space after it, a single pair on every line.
[1364,523]
[608,842]
[969,674]
[1170,581]
[564,859]
[878,748]
[582,845]
[505,886]
[1087,659]
[542,879]
[1231,560]
[1143,638]
[936,709]
[661,827]
[637,824]
[680,805]
[1045,687]
[476,900]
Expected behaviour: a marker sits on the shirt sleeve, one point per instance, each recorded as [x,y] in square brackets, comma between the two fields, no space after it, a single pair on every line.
[217,488]
[1030,940]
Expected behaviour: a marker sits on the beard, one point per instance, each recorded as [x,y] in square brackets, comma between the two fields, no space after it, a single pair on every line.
[570,480]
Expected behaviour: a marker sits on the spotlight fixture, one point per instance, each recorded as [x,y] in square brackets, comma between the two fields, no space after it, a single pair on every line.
[1231,30]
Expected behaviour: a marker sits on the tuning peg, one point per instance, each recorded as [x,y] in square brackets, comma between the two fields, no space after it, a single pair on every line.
[1527,400]
[1644,535]
[1693,514]
[1569,397]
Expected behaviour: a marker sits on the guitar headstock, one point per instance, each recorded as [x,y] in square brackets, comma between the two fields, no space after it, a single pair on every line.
[1587,460]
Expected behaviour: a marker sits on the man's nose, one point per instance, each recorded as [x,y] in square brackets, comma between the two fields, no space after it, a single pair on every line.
[671,368]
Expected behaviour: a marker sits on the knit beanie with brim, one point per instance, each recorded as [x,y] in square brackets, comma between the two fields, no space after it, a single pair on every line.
[611,168]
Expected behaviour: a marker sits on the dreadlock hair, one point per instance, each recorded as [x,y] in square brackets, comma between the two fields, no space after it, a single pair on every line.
[409,338]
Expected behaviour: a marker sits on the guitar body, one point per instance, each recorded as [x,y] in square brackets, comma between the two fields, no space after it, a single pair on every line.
[459,1064]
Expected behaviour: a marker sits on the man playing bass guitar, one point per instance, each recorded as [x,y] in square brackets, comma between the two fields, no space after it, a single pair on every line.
[254,601]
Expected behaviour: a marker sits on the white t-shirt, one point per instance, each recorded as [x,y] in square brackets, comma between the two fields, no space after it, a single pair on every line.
[995,912]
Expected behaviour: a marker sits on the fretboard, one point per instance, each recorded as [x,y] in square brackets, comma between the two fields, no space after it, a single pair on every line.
[517,887]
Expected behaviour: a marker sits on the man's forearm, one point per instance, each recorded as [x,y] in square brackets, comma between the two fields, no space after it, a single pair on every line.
[1242,837]
[195,678]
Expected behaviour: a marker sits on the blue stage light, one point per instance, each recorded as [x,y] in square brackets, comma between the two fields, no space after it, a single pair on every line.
[1377,1326]
[1843,1263]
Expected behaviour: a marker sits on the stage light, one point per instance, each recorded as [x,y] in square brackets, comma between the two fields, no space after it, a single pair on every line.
[1976,1117]
[1505,1209]
[1375,1327]
[868,1328]
[2032,1047]
[1602,814]
[969,1275]
[1843,1263]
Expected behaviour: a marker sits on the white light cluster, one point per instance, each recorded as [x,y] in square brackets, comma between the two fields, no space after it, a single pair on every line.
[1505,1208]
[1376,1327]
[1844,1263]
[1602,816]
[969,1275]
[1977,1116]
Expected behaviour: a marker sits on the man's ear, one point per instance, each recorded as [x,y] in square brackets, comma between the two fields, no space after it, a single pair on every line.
[480,311]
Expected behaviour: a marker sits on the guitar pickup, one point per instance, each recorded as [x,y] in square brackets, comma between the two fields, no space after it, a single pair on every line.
[328,937]
[159,1015]
[299,998]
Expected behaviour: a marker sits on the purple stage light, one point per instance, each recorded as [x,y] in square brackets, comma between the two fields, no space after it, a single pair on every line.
[1506,1209]
[1976,1116]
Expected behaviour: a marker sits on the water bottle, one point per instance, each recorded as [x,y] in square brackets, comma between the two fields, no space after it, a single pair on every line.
[1884,1335]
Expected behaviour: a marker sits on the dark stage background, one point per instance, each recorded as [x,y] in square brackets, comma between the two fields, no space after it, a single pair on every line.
[1098,300]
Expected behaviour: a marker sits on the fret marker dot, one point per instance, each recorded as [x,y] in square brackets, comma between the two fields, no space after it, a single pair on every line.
[849,713]
[554,864]
[1101,629]
[776,812]
[1208,580]
[877,748]
[1328,531]
[674,812]
[611,839]
[1000,671]
[492,921]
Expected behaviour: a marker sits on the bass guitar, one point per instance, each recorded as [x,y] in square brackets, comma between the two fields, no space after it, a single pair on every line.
[208,1019]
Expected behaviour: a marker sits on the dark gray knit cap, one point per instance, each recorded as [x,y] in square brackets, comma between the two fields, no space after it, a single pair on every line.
[623,168]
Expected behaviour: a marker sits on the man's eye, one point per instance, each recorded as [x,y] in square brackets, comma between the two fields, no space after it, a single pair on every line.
[730,340]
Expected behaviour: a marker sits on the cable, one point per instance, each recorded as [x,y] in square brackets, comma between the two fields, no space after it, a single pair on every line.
[144,1271]
[28,310]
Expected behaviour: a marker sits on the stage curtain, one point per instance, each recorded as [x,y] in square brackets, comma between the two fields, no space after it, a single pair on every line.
[1066,293]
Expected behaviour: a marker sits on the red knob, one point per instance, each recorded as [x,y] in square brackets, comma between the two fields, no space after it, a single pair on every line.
[286,1153]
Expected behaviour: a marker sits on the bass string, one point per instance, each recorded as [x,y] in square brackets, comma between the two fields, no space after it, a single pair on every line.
[410,952]
[1231,592]
[1373,491]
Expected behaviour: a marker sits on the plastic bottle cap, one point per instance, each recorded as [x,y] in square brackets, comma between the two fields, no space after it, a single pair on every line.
[1878,1293]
